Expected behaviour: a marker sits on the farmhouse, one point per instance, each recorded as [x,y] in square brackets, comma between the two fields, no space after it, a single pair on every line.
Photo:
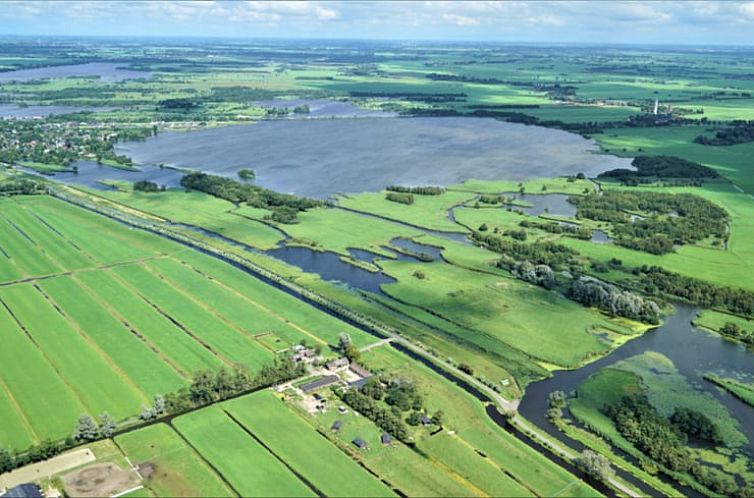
[360,443]
[319,383]
[302,354]
[337,364]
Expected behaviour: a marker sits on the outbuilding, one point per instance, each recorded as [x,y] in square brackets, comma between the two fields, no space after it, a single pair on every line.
[27,490]
[336,426]
[360,443]
[386,438]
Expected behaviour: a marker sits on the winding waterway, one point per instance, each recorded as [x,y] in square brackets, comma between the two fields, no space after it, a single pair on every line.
[692,351]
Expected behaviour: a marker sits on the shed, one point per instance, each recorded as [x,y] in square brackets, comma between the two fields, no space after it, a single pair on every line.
[359,370]
[27,490]
[386,438]
[360,443]
[426,420]
[358,384]
[336,426]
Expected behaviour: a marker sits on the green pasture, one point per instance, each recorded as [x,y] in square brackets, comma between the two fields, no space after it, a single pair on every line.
[242,461]
[176,469]
[311,455]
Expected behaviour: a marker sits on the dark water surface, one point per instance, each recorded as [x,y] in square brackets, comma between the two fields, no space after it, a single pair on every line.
[692,351]
[321,157]
[41,111]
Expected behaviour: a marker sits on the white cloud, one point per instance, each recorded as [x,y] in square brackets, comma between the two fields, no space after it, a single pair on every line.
[460,20]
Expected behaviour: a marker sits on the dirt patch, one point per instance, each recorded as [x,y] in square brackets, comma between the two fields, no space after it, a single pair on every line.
[104,479]
[146,470]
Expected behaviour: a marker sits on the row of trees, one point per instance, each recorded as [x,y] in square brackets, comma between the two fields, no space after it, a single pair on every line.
[206,387]
[21,187]
[543,253]
[613,300]
[385,418]
[284,206]
[577,231]
[657,167]
[400,197]
[667,219]
[739,134]
[655,280]
[428,190]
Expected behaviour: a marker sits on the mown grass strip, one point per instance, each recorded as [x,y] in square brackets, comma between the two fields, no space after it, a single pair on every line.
[176,470]
[82,367]
[140,364]
[294,440]
[247,465]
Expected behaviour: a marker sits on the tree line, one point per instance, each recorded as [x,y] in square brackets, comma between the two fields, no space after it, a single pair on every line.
[206,387]
[743,132]
[400,197]
[613,300]
[657,281]
[284,206]
[649,168]
[21,187]
[425,190]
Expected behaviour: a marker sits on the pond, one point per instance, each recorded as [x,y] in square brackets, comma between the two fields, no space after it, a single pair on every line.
[553,204]
[106,71]
[90,173]
[693,351]
[357,155]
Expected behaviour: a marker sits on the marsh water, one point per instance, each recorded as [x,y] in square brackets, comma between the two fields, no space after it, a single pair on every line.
[692,351]
[41,111]
[357,155]
[106,71]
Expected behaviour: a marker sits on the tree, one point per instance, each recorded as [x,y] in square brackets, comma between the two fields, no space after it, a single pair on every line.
[86,429]
[437,417]
[7,462]
[414,418]
[159,404]
[147,413]
[246,174]
[107,425]
[594,465]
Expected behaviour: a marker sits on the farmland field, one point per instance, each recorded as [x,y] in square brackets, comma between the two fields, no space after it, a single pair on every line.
[112,323]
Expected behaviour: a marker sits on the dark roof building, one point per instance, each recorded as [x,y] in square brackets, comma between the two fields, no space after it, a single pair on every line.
[359,370]
[386,438]
[360,443]
[336,426]
[426,420]
[27,490]
[358,384]
[324,381]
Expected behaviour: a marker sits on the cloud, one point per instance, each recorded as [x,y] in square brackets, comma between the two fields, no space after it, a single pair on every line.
[544,20]
[460,20]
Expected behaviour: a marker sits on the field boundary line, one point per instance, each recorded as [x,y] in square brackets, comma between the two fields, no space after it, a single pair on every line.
[262,307]
[124,321]
[21,414]
[180,326]
[201,457]
[206,307]
[494,464]
[95,347]
[293,471]
[44,354]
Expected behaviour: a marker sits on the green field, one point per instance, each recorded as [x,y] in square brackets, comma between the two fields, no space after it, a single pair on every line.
[174,468]
[307,452]
[243,462]
[110,321]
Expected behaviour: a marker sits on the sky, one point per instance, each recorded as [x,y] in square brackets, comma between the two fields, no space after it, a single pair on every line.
[652,22]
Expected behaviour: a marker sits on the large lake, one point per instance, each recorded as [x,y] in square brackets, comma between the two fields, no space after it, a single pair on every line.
[321,157]
[107,71]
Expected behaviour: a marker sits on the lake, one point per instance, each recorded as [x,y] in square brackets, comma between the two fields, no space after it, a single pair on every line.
[321,157]
[106,71]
